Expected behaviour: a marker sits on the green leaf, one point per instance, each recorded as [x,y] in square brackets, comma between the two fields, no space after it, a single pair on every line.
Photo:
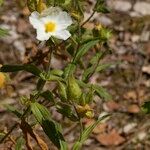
[105,34]
[1,2]
[15,68]
[93,65]
[66,111]
[52,131]
[96,58]
[69,70]
[77,146]
[86,133]
[14,111]
[59,1]
[102,67]
[2,135]
[87,73]
[57,72]
[40,84]
[101,92]
[90,95]
[89,129]
[32,5]
[146,107]
[43,116]
[40,112]
[101,7]
[3,32]
[48,95]
[84,49]
[63,145]
[50,77]
[19,143]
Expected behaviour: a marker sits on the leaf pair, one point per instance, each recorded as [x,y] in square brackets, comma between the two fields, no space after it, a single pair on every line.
[51,129]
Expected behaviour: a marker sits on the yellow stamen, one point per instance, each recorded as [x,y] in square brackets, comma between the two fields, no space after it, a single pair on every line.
[50,27]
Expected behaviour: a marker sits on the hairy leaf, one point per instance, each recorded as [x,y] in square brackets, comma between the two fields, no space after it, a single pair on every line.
[19,143]
[15,68]
[44,118]
[84,49]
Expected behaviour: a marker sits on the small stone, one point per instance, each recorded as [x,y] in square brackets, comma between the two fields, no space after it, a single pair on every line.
[105,20]
[142,8]
[134,14]
[145,36]
[119,5]
[141,136]
[127,129]
[135,38]
[146,69]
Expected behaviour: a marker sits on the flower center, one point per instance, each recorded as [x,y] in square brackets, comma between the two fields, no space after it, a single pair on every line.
[50,27]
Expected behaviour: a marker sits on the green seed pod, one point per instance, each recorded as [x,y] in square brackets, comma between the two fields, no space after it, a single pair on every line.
[73,90]
[62,91]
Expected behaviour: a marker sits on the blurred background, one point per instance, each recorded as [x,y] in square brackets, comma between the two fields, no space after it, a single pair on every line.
[128,82]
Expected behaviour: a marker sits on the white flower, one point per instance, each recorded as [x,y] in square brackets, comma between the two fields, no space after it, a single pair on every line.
[51,22]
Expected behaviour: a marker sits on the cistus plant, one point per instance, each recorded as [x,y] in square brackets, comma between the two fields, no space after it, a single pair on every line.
[60,26]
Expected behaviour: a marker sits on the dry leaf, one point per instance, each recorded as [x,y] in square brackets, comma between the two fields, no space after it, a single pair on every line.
[111,106]
[133,109]
[28,132]
[130,95]
[146,69]
[110,139]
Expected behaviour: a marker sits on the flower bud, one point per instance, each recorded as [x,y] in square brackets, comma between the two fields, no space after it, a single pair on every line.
[98,27]
[85,111]
[89,114]
[73,90]
[40,6]
[2,79]
[62,91]
[76,15]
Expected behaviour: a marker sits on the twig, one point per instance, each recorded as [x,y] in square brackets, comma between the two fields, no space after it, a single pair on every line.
[88,19]
[15,125]
[10,131]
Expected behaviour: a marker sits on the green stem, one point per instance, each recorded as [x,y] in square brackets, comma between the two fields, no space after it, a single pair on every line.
[80,120]
[28,108]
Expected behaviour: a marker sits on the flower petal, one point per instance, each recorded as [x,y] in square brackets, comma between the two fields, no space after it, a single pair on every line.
[51,11]
[35,20]
[64,34]
[42,35]
[63,20]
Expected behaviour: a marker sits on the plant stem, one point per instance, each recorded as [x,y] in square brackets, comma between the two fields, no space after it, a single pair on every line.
[28,108]
[49,61]
[10,131]
[15,125]
[80,120]
[87,20]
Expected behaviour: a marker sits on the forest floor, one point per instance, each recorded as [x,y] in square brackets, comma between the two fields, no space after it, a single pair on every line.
[128,82]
